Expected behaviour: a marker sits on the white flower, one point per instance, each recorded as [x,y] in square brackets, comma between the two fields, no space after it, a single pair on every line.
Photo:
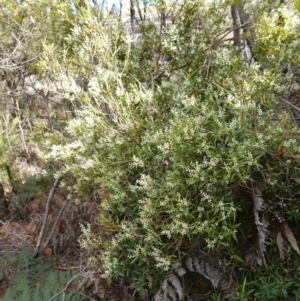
[144,181]
[137,162]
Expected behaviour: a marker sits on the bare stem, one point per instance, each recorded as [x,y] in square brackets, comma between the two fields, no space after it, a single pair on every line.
[49,201]
[63,292]
[55,224]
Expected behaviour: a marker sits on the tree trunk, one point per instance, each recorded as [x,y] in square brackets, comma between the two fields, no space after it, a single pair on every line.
[132,17]
[121,10]
[243,33]
[236,22]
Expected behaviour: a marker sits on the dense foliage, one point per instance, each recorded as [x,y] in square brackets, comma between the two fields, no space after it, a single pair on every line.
[188,142]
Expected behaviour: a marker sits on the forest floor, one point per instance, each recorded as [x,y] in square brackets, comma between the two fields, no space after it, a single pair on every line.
[22,223]
[20,228]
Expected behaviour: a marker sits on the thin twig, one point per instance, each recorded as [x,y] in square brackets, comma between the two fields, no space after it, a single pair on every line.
[290,104]
[65,288]
[49,200]
[21,129]
[153,79]
[17,65]
[92,299]
[68,268]
[286,199]
[14,233]
[67,285]
[226,32]
[55,224]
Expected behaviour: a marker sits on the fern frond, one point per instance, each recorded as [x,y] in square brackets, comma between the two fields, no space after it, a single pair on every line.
[159,296]
[37,294]
[165,285]
[26,294]
[52,281]
[189,264]
[213,274]
[9,295]
[208,266]
[170,292]
[228,282]
[43,291]
[179,270]
[170,286]
[73,296]
[177,285]
[198,266]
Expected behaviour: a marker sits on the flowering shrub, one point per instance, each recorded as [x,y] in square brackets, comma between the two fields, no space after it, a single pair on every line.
[175,161]
[170,176]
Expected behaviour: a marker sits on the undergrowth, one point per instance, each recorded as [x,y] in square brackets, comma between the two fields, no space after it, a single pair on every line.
[35,279]
[279,282]
[32,186]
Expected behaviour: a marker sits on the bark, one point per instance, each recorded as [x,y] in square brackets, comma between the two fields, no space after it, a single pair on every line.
[237,27]
[243,33]
[48,204]
[139,10]
[132,17]
[145,9]
[121,10]
[248,30]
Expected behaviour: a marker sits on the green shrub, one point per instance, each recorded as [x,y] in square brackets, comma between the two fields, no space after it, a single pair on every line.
[279,282]
[182,157]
